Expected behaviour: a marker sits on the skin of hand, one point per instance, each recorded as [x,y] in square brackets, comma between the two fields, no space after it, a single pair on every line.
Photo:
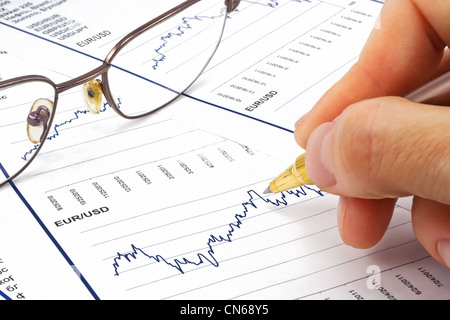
[370,147]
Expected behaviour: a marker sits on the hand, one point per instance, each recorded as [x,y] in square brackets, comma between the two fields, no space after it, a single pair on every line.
[370,150]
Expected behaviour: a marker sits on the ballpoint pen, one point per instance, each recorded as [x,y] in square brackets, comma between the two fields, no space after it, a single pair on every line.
[435,92]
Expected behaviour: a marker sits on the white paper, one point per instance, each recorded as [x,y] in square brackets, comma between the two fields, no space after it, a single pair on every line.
[170,206]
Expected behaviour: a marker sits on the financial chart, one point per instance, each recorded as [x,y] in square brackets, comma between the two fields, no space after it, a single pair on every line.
[171,206]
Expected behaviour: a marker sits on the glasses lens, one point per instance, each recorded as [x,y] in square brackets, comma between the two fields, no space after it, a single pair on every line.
[161,63]
[25,113]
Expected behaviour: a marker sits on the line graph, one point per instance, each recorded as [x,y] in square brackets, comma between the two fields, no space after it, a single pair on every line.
[233,226]
[107,234]
[182,215]
[180,31]
[186,25]
[166,39]
[74,117]
[206,272]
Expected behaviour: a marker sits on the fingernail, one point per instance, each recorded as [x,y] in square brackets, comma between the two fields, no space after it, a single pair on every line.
[319,158]
[341,209]
[301,120]
[378,23]
[443,248]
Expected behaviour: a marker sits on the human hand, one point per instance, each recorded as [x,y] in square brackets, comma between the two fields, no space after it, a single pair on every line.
[370,150]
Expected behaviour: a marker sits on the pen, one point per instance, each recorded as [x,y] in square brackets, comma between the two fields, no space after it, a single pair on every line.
[435,92]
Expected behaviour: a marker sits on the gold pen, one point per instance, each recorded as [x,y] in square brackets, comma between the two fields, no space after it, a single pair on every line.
[293,177]
[436,92]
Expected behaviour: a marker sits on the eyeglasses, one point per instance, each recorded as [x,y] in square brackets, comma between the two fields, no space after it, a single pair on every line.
[136,78]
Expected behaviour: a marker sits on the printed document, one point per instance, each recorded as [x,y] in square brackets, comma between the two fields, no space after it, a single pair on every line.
[171,206]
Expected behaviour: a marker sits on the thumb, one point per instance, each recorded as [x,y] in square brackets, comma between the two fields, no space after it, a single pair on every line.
[383,148]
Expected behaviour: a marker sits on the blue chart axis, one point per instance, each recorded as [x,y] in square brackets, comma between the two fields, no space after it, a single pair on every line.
[237,223]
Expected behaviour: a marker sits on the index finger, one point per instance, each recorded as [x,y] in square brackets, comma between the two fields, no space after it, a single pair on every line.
[404,50]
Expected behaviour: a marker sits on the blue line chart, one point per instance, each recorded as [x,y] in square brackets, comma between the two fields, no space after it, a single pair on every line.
[236,224]
[76,116]
[180,30]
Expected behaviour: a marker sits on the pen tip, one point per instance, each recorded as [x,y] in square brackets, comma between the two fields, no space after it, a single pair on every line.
[267,191]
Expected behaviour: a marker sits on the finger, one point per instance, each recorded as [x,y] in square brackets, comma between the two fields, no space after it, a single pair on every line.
[431,223]
[444,66]
[403,52]
[436,14]
[383,148]
[363,222]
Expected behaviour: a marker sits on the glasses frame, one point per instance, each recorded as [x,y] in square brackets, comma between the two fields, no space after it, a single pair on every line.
[102,71]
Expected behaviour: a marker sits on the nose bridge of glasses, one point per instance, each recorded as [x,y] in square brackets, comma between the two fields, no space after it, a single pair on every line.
[92,88]
[80,80]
